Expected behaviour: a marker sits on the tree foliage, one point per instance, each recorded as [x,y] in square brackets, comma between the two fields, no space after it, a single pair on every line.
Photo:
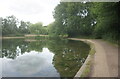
[24,27]
[72,19]
[11,26]
[98,19]
[107,20]
[38,28]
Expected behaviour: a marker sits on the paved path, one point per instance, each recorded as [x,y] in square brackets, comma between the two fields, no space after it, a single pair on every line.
[105,61]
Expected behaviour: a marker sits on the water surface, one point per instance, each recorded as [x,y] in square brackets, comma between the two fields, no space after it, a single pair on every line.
[42,58]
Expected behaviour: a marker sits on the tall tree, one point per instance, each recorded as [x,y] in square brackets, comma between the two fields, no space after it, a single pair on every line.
[9,25]
[107,20]
[36,28]
[72,19]
[24,27]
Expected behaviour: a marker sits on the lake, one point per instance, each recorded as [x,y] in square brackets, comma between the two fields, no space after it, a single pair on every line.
[42,57]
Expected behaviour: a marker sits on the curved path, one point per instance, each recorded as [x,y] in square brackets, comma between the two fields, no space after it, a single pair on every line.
[105,61]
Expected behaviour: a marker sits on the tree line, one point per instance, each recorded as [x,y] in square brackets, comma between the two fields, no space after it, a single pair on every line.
[73,19]
[95,19]
[11,26]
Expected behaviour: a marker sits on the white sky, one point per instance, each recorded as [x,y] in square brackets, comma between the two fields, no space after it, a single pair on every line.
[29,10]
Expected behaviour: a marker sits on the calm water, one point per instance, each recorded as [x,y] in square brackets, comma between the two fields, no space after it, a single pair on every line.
[42,58]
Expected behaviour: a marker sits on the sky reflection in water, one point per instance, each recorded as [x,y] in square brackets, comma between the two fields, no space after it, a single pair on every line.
[30,64]
[42,58]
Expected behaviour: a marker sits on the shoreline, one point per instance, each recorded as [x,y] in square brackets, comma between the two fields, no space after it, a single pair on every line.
[105,61]
[11,37]
[15,37]
[82,72]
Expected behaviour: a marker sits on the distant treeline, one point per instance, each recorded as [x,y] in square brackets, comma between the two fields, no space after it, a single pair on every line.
[11,26]
[73,19]
[95,19]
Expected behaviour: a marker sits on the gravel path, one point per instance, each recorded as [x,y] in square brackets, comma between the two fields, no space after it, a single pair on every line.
[105,61]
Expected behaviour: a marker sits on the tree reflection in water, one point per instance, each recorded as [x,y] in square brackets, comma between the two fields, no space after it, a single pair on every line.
[68,56]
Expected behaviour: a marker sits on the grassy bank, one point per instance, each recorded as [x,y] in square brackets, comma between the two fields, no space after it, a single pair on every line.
[13,35]
[111,41]
[87,70]
[86,67]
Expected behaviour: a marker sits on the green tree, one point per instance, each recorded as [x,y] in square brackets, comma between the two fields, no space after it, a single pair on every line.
[1,26]
[9,25]
[24,27]
[107,20]
[73,19]
[36,28]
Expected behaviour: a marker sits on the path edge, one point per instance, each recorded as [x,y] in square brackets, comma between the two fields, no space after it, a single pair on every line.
[81,72]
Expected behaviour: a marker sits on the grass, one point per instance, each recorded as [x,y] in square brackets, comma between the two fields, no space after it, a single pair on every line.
[13,35]
[84,37]
[92,51]
[87,69]
[117,44]
[89,63]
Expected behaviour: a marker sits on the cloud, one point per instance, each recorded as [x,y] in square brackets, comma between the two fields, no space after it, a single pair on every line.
[29,64]
[29,10]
